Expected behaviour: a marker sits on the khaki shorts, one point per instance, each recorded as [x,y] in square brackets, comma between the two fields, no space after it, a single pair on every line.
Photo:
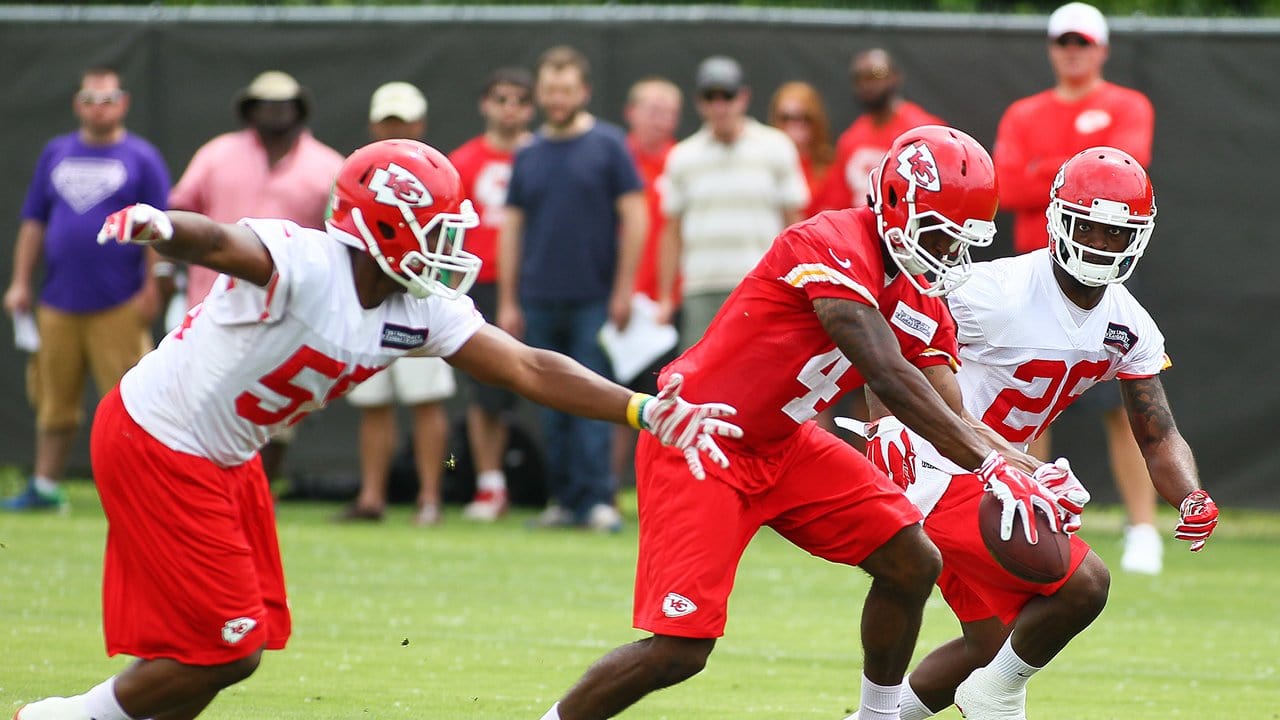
[105,344]
[409,381]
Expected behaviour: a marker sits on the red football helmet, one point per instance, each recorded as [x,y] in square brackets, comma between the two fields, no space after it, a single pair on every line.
[402,202]
[1100,185]
[934,178]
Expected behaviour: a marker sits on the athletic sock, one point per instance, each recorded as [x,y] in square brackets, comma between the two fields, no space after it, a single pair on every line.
[911,707]
[44,485]
[553,713]
[491,480]
[100,702]
[1009,669]
[879,702]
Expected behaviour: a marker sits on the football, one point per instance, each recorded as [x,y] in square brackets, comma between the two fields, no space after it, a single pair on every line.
[1045,562]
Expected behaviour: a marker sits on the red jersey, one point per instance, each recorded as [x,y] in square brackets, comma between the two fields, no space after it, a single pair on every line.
[650,167]
[767,354]
[859,150]
[485,172]
[1037,134]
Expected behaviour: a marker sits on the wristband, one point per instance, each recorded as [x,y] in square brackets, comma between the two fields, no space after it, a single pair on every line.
[162,269]
[635,409]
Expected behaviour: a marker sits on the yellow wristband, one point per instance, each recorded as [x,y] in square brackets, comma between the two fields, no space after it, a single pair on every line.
[634,405]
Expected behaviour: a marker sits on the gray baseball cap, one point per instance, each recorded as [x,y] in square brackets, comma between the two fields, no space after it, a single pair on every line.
[719,73]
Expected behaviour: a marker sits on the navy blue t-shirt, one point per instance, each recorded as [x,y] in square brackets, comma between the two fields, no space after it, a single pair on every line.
[568,191]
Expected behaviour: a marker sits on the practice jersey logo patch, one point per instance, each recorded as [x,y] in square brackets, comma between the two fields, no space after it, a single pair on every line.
[913,322]
[233,631]
[403,338]
[916,164]
[393,185]
[1120,337]
[675,605]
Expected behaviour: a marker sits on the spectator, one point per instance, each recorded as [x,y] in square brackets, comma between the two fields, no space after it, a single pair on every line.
[273,167]
[573,230]
[192,538]
[399,110]
[730,188]
[652,114]
[877,85]
[484,162]
[797,110]
[1036,135]
[96,304]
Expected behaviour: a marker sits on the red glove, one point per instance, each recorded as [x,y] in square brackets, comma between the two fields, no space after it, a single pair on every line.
[1019,494]
[1071,495]
[139,224]
[690,428]
[1198,517]
[889,449]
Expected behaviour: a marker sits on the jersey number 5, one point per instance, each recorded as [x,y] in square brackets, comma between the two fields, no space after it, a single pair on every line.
[282,382]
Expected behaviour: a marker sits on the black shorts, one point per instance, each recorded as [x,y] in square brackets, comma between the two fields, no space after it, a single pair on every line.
[493,400]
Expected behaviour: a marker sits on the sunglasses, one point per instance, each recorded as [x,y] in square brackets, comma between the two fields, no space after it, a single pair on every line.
[880,72]
[1072,40]
[714,95]
[90,97]
[794,118]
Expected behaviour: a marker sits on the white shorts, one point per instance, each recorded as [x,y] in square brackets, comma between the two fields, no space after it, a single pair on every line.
[409,380]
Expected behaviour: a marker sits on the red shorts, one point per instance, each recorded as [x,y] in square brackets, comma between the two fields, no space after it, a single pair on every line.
[972,582]
[193,568]
[817,492]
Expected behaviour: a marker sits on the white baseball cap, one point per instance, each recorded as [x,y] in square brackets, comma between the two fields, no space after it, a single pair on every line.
[1080,18]
[399,100]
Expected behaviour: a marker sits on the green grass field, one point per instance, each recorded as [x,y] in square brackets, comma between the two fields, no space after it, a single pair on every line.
[467,621]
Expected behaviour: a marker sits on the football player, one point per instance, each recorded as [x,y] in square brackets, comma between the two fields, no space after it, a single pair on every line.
[1035,332]
[193,585]
[839,300]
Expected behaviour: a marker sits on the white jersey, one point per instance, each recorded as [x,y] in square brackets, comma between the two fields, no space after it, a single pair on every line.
[1026,354]
[250,360]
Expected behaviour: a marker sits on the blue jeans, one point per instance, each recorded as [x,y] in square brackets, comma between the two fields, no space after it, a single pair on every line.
[578,450]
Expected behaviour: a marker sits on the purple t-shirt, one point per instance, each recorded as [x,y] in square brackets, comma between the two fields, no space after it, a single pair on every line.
[74,188]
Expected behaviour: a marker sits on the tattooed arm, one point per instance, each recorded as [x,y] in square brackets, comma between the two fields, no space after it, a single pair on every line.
[1169,459]
[864,337]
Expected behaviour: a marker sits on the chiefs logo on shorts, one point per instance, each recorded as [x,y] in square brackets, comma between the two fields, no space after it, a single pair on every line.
[916,164]
[393,185]
[233,631]
[675,605]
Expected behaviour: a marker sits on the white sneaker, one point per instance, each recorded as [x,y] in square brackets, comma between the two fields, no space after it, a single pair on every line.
[604,518]
[554,516]
[53,708]
[979,697]
[1143,550]
[487,506]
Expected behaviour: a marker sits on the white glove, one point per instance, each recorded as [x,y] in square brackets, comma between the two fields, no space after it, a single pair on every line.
[139,224]
[1019,494]
[1066,487]
[688,427]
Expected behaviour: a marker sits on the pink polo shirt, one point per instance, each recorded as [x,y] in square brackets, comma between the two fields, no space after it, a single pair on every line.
[228,179]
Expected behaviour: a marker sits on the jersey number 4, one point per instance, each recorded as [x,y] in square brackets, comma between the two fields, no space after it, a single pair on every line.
[1058,394]
[822,376]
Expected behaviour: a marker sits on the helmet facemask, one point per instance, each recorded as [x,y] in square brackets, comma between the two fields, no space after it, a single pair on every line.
[439,265]
[1081,261]
[941,275]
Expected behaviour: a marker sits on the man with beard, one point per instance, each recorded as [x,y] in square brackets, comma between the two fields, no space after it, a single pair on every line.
[572,233]
[273,167]
[877,84]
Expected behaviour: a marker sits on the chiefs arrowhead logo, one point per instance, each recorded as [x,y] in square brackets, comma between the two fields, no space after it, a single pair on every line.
[916,163]
[393,185]
[676,605]
[233,631]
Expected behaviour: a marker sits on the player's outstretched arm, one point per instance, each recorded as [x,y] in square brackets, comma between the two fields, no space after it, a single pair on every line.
[557,381]
[1169,460]
[194,238]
